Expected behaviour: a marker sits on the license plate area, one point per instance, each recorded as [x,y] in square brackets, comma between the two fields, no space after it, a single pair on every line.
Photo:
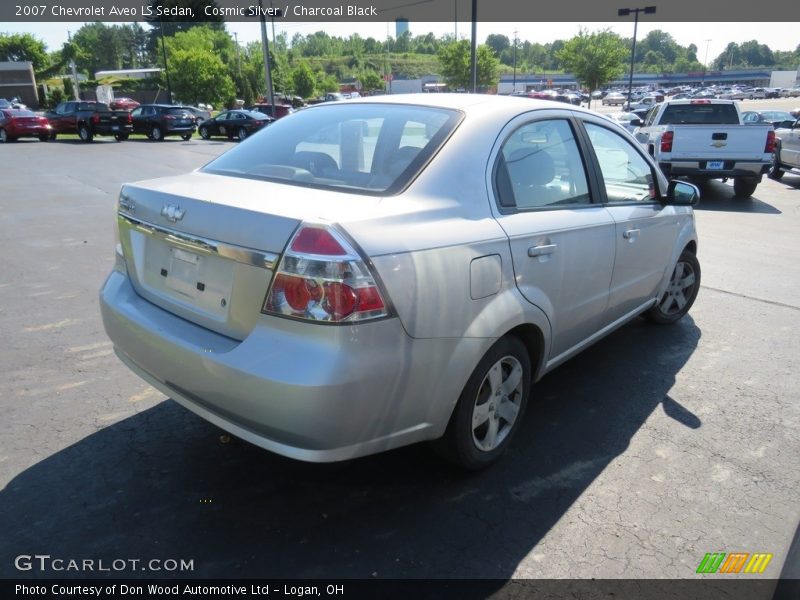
[715,165]
[199,281]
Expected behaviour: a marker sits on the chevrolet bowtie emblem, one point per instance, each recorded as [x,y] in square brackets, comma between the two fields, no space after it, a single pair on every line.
[719,144]
[172,213]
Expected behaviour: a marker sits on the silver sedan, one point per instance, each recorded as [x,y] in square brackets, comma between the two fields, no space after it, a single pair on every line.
[375,273]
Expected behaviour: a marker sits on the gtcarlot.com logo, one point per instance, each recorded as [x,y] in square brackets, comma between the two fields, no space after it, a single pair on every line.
[45,562]
[734,562]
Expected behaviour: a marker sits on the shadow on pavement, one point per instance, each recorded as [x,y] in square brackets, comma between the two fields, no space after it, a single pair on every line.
[162,484]
[715,195]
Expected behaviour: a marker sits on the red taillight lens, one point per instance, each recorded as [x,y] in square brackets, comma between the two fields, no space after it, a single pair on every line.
[130,118]
[95,118]
[312,240]
[321,277]
[770,146]
[666,141]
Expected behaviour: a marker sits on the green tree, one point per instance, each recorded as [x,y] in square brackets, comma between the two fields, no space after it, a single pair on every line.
[454,64]
[498,43]
[303,80]
[594,58]
[23,47]
[200,77]
[371,81]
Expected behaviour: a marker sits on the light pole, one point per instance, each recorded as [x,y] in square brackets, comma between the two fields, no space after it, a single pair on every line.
[515,61]
[705,64]
[624,12]
[166,66]
[473,59]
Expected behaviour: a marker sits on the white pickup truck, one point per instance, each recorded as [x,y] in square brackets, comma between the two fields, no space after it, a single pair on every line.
[706,139]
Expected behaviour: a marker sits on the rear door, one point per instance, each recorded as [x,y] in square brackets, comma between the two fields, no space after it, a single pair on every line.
[645,229]
[561,236]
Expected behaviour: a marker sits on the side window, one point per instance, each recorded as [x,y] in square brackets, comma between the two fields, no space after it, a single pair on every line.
[222,116]
[627,176]
[650,116]
[61,108]
[136,112]
[540,166]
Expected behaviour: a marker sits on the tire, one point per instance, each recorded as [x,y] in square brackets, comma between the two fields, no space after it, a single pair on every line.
[775,171]
[120,137]
[4,136]
[186,137]
[744,188]
[204,133]
[44,137]
[478,434]
[156,134]
[242,134]
[53,136]
[85,133]
[684,283]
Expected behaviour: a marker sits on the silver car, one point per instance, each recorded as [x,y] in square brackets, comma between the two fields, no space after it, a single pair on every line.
[380,272]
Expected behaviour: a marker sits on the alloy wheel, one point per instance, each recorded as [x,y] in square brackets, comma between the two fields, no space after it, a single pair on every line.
[680,288]
[497,403]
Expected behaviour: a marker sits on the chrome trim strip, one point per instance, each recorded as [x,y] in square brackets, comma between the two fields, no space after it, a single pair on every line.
[240,254]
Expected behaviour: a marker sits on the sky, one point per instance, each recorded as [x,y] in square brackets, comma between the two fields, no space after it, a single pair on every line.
[714,36]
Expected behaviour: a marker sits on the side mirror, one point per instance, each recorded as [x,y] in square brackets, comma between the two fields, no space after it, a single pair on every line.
[636,122]
[680,193]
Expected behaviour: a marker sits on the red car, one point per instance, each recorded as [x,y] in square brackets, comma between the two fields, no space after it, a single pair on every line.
[123,104]
[15,124]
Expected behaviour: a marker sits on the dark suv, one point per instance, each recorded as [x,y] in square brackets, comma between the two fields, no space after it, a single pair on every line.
[157,121]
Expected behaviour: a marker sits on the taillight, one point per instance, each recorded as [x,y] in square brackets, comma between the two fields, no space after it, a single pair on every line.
[95,118]
[321,277]
[169,118]
[770,146]
[130,118]
[666,141]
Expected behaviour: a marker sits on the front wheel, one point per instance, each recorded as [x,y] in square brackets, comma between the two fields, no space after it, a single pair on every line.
[3,136]
[204,133]
[156,134]
[85,134]
[490,408]
[744,188]
[53,136]
[775,171]
[681,291]
[242,133]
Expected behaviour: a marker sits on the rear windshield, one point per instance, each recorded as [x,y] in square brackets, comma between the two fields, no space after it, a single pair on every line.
[257,115]
[700,114]
[372,148]
[23,113]
[95,106]
[177,111]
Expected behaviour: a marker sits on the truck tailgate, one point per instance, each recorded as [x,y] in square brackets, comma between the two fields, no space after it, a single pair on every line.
[719,142]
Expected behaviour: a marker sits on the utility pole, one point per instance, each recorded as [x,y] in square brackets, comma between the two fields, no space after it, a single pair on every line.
[75,89]
[705,63]
[265,48]
[166,66]
[473,60]
[624,12]
[238,57]
[515,62]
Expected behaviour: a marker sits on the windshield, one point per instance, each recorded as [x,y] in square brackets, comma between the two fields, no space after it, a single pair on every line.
[373,148]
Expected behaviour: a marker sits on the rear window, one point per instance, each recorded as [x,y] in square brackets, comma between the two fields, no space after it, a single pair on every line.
[700,114]
[95,106]
[371,148]
[176,111]
[258,115]
[23,113]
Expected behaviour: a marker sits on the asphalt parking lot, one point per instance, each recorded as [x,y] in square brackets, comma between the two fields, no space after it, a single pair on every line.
[635,459]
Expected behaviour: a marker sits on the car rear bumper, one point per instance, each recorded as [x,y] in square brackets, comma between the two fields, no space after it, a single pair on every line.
[178,129]
[311,392]
[699,168]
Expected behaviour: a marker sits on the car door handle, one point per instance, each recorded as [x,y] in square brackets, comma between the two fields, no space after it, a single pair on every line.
[631,234]
[542,250]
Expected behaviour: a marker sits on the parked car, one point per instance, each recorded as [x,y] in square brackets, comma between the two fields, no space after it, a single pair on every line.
[199,114]
[238,123]
[772,92]
[14,104]
[123,104]
[158,121]
[628,120]
[614,99]
[281,110]
[15,124]
[732,95]
[89,119]
[293,291]
[756,93]
[773,117]
[787,150]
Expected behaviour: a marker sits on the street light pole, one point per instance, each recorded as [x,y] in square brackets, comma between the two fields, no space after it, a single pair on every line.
[624,12]
[515,61]
[166,66]
[705,64]
[473,61]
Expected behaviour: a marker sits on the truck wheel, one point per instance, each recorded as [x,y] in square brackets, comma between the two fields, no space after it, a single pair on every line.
[490,408]
[775,171]
[84,133]
[156,134]
[744,188]
[680,293]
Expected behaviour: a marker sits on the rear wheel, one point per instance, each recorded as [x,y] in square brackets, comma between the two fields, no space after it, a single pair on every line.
[744,188]
[85,133]
[3,136]
[53,136]
[156,133]
[681,291]
[242,133]
[490,408]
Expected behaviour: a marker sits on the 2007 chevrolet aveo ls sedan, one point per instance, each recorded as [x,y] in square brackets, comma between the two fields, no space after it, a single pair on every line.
[375,273]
